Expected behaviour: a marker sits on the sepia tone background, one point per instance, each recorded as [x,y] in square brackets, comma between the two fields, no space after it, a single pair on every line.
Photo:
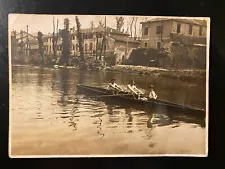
[213,10]
[43,126]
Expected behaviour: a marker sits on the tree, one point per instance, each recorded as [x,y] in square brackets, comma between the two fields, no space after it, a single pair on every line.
[96,46]
[180,54]
[103,42]
[66,42]
[131,26]
[54,41]
[135,27]
[127,28]
[119,23]
[92,25]
[127,31]
[41,46]
[80,39]
[66,24]
[101,23]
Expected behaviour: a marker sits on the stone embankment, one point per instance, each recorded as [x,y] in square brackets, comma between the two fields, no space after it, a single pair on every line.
[182,74]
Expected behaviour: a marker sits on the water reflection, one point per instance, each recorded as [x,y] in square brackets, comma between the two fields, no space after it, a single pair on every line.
[110,109]
[40,78]
[81,77]
[54,80]
[150,119]
[73,119]
[100,127]
[130,118]
[113,114]
[64,84]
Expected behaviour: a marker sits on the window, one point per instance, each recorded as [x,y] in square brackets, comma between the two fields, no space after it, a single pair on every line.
[178,28]
[85,48]
[73,37]
[158,45]
[90,47]
[73,47]
[146,45]
[77,47]
[158,29]
[200,31]
[146,31]
[190,29]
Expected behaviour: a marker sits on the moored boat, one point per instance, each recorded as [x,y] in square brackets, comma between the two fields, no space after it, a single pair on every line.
[132,100]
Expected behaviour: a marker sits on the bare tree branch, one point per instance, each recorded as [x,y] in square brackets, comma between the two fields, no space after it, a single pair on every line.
[119,23]
[135,27]
[131,26]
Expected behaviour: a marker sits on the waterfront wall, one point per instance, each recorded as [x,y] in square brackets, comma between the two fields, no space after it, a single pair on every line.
[184,74]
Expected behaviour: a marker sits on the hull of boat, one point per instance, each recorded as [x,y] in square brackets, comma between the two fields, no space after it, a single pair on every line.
[158,105]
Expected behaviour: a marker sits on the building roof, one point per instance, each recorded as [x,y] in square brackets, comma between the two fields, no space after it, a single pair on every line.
[24,35]
[102,29]
[189,21]
[188,39]
[88,30]
[124,39]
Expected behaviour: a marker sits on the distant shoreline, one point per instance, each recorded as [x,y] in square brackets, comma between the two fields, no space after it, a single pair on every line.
[181,74]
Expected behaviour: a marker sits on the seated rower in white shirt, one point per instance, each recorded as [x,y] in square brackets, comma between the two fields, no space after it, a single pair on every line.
[152,94]
[133,89]
[113,86]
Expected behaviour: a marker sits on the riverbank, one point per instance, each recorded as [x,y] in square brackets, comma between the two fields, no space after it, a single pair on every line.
[182,74]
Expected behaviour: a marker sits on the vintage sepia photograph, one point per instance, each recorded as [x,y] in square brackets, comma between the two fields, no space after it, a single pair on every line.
[108,85]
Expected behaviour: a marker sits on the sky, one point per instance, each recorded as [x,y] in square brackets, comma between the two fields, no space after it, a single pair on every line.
[44,23]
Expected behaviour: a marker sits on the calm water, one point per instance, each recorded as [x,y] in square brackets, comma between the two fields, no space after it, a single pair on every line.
[41,125]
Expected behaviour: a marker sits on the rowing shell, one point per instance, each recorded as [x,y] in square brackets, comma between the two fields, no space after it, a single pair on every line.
[122,97]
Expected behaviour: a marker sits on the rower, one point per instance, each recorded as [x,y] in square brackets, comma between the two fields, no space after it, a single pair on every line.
[114,87]
[133,89]
[152,94]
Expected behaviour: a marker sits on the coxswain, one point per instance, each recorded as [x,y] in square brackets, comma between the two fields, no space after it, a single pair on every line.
[114,87]
[152,94]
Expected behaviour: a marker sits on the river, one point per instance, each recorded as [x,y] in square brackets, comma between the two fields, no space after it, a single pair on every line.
[41,125]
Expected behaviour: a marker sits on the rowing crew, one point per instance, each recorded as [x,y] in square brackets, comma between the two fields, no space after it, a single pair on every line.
[132,88]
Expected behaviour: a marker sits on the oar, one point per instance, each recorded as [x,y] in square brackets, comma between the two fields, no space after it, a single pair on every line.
[112,95]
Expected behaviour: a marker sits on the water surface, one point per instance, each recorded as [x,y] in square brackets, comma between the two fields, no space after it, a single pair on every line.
[43,124]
